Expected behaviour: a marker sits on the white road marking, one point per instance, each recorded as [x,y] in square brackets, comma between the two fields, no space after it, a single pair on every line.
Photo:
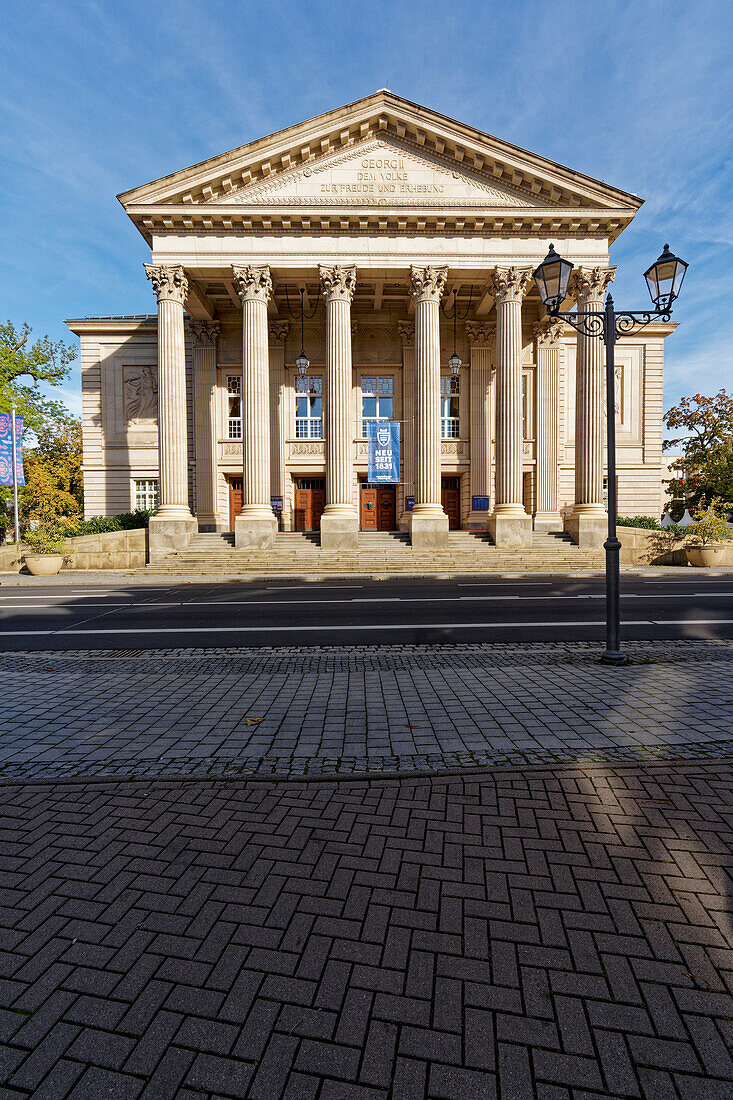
[361,627]
[193,602]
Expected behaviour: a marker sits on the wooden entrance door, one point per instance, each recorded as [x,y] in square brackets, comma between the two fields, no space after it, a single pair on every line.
[450,497]
[236,499]
[377,510]
[386,509]
[310,500]
[368,510]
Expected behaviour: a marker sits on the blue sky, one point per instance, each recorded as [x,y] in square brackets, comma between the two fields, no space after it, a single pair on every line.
[99,97]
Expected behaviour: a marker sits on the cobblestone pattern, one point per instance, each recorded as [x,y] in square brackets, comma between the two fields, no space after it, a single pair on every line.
[558,935]
[294,712]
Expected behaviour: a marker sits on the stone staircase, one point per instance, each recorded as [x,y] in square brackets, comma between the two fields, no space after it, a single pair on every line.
[378,553]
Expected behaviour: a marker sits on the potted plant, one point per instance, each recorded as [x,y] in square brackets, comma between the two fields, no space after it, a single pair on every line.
[47,550]
[706,535]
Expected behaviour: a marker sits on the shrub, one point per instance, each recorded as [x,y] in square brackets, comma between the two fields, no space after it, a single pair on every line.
[97,525]
[45,539]
[649,523]
[711,524]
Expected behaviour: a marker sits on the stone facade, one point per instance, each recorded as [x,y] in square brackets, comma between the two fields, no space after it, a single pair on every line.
[377,212]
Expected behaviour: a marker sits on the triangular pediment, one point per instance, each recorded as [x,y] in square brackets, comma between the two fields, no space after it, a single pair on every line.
[377,173]
[383,152]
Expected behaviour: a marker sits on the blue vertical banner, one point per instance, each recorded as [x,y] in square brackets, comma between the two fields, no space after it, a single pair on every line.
[6,449]
[384,452]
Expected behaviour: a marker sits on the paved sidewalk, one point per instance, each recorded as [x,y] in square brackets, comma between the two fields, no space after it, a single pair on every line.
[560,934]
[351,710]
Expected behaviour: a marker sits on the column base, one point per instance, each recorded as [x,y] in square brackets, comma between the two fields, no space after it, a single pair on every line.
[254,532]
[428,532]
[165,536]
[509,529]
[477,521]
[545,522]
[339,532]
[588,530]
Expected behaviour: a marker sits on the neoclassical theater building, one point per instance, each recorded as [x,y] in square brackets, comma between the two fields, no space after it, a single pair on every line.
[381,219]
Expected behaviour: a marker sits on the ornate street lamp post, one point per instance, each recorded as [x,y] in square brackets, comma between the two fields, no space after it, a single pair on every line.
[664,279]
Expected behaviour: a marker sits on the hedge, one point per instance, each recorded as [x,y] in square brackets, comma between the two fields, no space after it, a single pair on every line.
[96,525]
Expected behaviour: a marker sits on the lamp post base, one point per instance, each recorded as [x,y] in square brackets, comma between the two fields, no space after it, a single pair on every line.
[614,658]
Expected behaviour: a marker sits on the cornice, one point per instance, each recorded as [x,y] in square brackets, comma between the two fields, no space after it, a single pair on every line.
[437,220]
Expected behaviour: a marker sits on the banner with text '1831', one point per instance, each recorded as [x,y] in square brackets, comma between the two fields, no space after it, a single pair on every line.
[384,452]
[6,449]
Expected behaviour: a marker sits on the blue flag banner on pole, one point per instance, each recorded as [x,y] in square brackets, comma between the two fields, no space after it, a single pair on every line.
[384,452]
[6,449]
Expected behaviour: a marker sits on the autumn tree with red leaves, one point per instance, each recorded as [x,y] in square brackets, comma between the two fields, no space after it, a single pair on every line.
[706,438]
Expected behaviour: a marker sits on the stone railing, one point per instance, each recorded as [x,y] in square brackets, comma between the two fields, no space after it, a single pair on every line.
[642,547]
[112,550]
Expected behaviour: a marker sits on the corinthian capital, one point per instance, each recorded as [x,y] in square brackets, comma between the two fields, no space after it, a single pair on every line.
[205,333]
[509,284]
[428,283]
[337,283]
[254,284]
[169,283]
[278,331]
[548,331]
[591,283]
[480,332]
[406,330]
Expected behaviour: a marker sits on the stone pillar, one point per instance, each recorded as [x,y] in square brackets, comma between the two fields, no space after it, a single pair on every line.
[481,340]
[587,522]
[339,522]
[547,335]
[278,332]
[428,521]
[205,334]
[173,525]
[509,525]
[256,526]
[407,432]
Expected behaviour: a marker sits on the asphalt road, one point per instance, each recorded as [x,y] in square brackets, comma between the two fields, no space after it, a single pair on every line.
[278,613]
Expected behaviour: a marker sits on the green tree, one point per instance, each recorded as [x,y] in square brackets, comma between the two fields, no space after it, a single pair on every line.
[54,487]
[23,365]
[706,439]
[46,362]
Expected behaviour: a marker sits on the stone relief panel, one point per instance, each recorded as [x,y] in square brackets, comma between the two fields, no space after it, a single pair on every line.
[298,450]
[140,396]
[376,344]
[629,396]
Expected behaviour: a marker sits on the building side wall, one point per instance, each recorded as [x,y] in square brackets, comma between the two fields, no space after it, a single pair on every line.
[119,417]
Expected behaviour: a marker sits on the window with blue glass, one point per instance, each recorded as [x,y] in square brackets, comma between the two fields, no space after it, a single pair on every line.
[377,400]
[309,407]
[450,423]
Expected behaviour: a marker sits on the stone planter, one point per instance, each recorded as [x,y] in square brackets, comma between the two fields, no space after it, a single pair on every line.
[44,565]
[704,556]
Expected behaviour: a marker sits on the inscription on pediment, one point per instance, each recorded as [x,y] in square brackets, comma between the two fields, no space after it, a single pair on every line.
[378,174]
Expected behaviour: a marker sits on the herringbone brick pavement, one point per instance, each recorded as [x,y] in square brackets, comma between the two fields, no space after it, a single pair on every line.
[546,933]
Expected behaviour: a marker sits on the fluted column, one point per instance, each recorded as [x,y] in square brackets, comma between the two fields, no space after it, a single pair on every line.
[255,527]
[428,521]
[547,336]
[509,524]
[339,522]
[407,435]
[173,525]
[586,524]
[481,338]
[278,331]
[205,335]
